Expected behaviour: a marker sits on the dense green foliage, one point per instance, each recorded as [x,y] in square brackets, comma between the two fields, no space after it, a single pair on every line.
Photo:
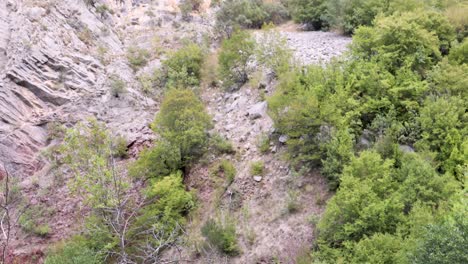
[160,160]
[249,14]
[184,123]
[182,68]
[310,12]
[444,241]
[388,127]
[348,15]
[73,252]
[235,53]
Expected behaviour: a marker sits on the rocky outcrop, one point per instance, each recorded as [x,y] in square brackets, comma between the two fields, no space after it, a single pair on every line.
[49,72]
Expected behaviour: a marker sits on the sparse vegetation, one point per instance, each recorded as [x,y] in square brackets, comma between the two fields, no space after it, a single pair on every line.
[225,168]
[30,221]
[221,145]
[257,168]
[264,143]
[222,236]
[137,57]
[118,86]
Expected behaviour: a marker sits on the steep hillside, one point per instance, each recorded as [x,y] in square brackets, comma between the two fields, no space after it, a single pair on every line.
[58,64]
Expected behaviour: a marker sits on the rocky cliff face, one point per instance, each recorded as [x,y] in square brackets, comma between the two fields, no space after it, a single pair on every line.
[49,72]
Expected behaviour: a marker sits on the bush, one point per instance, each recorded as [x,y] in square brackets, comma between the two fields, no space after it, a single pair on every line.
[398,41]
[173,203]
[160,160]
[446,79]
[264,143]
[376,198]
[248,14]
[118,86]
[354,13]
[29,222]
[235,53]
[137,57]
[227,169]
[459,53]
[183,68]
[73,252]
[222,236]
[257,168]
[187,6]
[120,147]
[339,151]
[184,123]
[309,12]
[443,242]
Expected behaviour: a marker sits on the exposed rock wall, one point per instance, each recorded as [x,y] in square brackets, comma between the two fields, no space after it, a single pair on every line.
[49,72]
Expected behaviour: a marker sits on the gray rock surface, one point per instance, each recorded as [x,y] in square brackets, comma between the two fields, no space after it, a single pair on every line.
[311,47]
[257,110]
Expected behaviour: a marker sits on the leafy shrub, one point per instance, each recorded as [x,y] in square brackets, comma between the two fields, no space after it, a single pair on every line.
[248,14]
[372,189]
[443,124]
[235,53]
[443,242]
[183,67]
[309,12]
[184,123]
[137,57]
[399,41]
[73,252]
[339,151]
[257,168]
[459,53]
[272,51]
[446,79]
[173,203]
[161,160]
[222,236]
[118,86]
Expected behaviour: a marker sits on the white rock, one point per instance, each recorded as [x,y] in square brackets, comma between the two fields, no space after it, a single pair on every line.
[257,178]
[257,110]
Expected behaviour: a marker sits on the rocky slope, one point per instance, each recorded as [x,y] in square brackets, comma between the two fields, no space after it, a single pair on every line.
[56,58]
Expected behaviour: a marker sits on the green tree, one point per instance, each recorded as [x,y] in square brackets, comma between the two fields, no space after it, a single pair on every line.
[184,123]
[160,160]
[443,242]
[398,41]
[173,203]
[339,151]
[311,12]
[183,67]
[235,53]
